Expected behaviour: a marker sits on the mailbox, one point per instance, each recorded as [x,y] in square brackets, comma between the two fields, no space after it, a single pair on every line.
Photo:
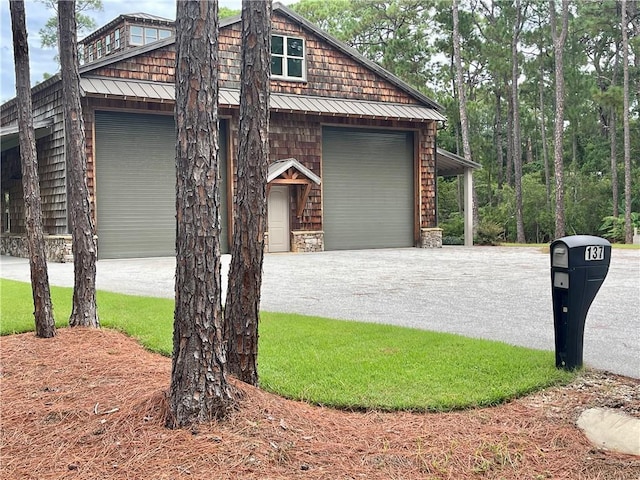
[579,265]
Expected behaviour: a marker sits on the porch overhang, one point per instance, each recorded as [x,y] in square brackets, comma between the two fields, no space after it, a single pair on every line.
[449,164]
[290,171]
[9,134]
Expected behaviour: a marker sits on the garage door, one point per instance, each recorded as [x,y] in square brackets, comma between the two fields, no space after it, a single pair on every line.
[135,185]
[368,193]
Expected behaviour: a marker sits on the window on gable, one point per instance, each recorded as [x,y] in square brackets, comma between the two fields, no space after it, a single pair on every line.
[287,57]
[116,39]
[145,35]
[136,36]
[150,35]
[90,52]
[99,48]
[107,44]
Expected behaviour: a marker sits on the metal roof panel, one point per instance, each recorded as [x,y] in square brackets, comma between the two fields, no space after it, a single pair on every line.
[279,101]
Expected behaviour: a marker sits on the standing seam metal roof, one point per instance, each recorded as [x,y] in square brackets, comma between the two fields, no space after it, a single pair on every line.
[130,89]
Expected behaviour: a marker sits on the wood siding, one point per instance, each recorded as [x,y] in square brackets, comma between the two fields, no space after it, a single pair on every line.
[330,72]
[51,163]
[156,66]
[300,136]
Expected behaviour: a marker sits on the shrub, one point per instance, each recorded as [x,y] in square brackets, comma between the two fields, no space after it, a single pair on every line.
[612,228]
[453,225]
[489,233]
[452,240]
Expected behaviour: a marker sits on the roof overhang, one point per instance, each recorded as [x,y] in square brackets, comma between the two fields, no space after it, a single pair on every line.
[280,167]
[279,102]
[290,172]
[9,134]
[449,164]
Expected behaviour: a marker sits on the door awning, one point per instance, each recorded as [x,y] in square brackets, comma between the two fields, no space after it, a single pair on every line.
[290,171]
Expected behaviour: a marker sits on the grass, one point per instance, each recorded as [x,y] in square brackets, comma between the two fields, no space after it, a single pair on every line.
[149,320]
[332,362]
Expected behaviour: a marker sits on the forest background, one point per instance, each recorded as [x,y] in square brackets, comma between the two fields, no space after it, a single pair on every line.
[413,39]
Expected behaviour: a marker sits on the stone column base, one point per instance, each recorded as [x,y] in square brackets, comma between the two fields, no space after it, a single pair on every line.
[431,238]
[57,247]
[307,241]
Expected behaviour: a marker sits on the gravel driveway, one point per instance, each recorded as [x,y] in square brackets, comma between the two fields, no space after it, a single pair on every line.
[500,293]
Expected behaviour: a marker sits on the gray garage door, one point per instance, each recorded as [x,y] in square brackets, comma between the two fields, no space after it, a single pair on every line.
[367,178]
[135,175]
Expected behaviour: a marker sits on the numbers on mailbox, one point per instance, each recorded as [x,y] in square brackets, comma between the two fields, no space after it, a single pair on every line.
[594,252]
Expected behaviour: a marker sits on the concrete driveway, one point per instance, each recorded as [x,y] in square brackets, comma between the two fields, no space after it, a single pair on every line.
[500,293]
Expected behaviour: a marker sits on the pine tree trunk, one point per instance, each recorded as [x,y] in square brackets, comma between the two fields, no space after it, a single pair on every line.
[509,165]
[245,272]
[517,145]
[499,140]
[84,312]
[43,310]
[199,390]
[628,228]
[462,103]
[558,48]
[543,133]
[614,161]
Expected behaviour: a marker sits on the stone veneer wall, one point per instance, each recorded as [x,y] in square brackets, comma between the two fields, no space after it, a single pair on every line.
[431,238]
[307,241]
[57,247]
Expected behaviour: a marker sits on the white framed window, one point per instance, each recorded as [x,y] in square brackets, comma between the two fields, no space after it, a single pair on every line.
[288,57]
[136,35]
[150,35]
[107,44]
[90,52]
[145,35]
[116,39]
[99,49]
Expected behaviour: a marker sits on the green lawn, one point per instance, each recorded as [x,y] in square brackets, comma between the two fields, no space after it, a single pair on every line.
[332,362]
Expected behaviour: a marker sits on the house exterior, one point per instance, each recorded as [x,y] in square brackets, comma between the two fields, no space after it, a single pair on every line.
[352,147]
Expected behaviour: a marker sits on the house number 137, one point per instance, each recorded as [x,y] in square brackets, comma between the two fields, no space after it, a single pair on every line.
[594,252]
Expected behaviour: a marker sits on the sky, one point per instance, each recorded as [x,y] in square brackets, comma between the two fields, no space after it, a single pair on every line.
[42,60]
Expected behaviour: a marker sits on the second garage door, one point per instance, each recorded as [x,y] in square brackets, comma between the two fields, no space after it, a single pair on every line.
[368,193]
[135,185]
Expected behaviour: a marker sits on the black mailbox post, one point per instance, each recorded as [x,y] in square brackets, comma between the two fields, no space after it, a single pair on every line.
[579,265]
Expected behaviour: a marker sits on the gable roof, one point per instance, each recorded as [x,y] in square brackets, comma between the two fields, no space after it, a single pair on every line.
[358,57]
[293,16]
[278,167]
[434,110]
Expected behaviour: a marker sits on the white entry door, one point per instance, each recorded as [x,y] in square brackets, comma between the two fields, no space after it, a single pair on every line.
[278,219]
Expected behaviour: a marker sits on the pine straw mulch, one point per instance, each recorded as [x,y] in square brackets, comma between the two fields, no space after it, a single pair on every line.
[89,405]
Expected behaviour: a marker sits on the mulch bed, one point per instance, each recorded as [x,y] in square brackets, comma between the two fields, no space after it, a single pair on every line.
[89,404]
